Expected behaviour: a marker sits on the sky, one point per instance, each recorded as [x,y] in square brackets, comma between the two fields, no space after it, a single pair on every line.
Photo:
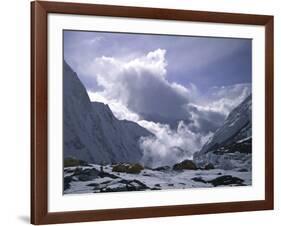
[190,59]
[181,88]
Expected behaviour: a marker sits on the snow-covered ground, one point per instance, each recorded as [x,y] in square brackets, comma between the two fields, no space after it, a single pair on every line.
[149,179]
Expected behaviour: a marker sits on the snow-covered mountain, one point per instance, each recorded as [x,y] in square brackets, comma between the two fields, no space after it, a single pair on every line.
[91,132]
[231,145]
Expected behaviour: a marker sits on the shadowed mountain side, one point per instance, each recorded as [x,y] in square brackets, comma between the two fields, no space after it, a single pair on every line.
[90,130]
[231,145]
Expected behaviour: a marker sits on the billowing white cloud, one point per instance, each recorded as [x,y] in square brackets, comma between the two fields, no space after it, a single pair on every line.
[138,90]
[119,110]
[223,99]
[209,111]
[169,146]
[141,84]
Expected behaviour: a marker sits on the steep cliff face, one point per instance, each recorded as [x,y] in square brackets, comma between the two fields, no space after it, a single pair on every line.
[90,130]
[231,145]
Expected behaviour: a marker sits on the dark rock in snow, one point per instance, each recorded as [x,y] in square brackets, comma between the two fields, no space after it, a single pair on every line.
[226,180]
[155,189]
[86,174]
[146,175]
[125,185]
[185,165]
[243,170]
[220,181]
[199,179]
[162,168]
[85,177]
[93,184]
[209,166]
[66,182]
[105,174]
[70,162]
[128,168]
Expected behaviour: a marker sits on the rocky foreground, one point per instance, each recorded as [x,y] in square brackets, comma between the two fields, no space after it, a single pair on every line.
[93,178]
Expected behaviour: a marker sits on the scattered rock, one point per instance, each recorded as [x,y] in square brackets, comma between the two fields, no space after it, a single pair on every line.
[199,179]
[209,166]
[125,185]
[223,180]
[128,168]
[86,174]
[162,168]
[66,182]
[242,170]
[185,165]
[77,171]
[155,189]
[70,162]
[68,170]
[93,184]
[146,175]
[84,177]
[105,174]
[226,180]
[115,189]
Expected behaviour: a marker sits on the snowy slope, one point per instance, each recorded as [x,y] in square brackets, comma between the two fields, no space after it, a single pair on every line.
[147,179]
[91,132]
[231,144]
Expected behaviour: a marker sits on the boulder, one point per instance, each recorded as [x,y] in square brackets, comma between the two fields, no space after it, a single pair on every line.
[226,180]
[221,181]
[161,168]
[86,174]
[209,166]
[70,162]
[128,168]
[185,165]
[124,185]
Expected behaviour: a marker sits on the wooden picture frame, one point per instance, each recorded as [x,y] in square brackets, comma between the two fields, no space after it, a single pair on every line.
[39,112]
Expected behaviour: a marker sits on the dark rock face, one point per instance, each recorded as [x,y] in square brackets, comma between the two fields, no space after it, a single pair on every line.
[185,165]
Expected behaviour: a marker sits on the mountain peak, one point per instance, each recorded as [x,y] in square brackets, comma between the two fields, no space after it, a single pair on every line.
[91,131]
[232,140]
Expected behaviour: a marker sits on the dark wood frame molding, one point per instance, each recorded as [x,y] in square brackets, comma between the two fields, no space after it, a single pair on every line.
[39,112]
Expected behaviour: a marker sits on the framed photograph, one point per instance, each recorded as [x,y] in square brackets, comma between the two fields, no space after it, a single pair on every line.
[149,112]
